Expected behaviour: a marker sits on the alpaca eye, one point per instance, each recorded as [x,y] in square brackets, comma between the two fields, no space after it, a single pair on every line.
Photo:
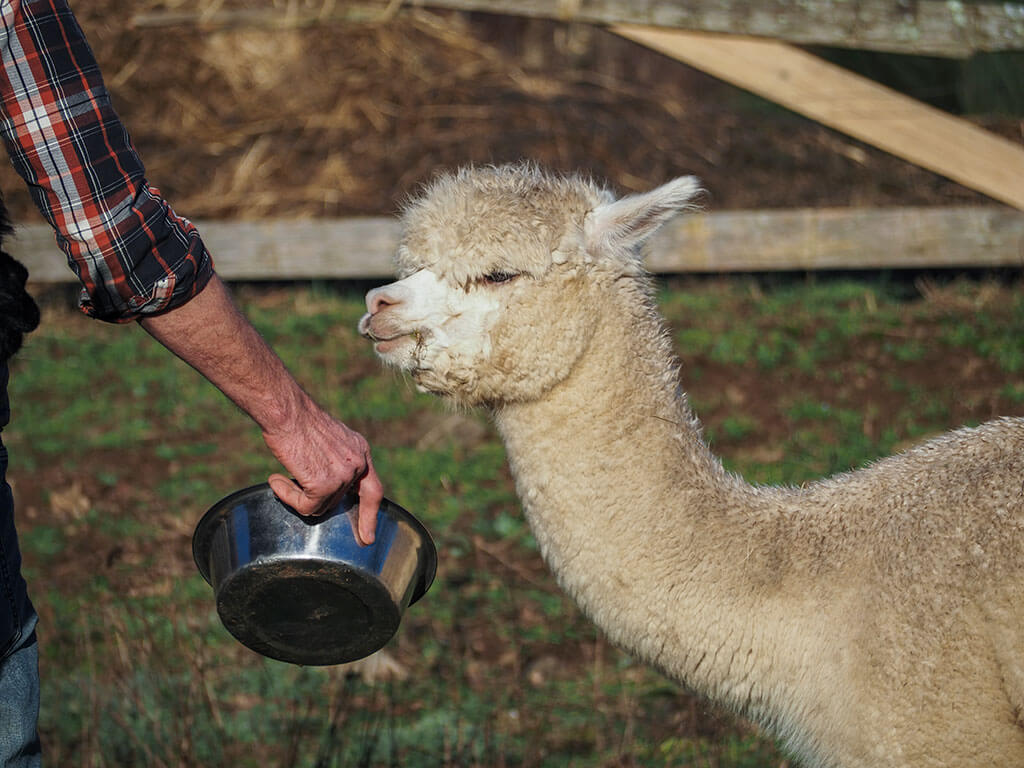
[499,276]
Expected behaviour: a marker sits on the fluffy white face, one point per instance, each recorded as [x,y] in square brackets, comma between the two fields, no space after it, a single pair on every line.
[505,272]
[435,331]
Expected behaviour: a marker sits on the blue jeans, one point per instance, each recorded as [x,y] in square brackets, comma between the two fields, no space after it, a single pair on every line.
[19,653]
[19,704]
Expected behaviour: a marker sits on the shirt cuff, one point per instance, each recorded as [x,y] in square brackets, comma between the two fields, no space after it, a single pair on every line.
[169,293]
[161,259]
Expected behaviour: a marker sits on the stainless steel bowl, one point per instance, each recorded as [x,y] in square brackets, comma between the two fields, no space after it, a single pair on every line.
[303,590]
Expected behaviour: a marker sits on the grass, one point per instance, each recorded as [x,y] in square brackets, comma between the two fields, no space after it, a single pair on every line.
[117,449]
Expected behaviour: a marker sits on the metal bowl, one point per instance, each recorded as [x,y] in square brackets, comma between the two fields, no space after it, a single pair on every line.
[301,589]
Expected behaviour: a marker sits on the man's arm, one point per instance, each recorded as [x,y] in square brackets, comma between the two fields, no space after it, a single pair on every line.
[323,455]
[133,254]
[138,260]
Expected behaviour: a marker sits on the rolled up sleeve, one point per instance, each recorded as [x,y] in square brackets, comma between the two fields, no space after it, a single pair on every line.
[133,254]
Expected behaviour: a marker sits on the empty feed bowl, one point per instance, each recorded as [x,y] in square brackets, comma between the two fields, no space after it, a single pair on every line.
[302,589]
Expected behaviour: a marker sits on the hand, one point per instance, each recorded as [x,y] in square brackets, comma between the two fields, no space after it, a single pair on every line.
[325,457]
[327,460]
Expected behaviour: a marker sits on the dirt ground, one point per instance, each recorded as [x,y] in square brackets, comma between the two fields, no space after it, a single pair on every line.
[340,120]
[347,120]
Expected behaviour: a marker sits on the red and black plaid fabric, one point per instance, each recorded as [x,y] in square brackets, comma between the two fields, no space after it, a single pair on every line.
[133,254]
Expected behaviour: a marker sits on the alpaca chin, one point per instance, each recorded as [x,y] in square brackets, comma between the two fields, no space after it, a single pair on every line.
[393,351]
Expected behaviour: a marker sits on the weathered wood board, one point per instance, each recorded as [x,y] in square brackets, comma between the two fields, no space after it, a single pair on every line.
[930,27]
[803,239]
[841,238]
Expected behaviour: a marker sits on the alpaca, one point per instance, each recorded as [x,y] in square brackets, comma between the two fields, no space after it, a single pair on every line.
[869,619]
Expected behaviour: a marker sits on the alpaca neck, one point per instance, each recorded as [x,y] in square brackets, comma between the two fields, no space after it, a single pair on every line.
[643,527]
[616,432]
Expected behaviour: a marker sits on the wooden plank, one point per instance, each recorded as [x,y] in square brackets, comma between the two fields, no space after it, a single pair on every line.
[932,27]
[840,238]
[277,249]
[802,239]
[852,104]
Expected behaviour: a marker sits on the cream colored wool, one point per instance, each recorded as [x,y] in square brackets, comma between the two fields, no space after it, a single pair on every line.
[870,619]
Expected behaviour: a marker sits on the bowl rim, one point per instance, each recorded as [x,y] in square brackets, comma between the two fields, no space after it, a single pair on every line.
[205,528]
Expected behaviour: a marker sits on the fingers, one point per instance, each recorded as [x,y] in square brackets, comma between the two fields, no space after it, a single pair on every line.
[291,493]
[327,460]
[371,493]
[303,501]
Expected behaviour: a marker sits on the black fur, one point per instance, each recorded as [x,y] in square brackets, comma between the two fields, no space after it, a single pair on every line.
[18,312]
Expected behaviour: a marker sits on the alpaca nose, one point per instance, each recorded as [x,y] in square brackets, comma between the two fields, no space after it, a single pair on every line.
[381,298]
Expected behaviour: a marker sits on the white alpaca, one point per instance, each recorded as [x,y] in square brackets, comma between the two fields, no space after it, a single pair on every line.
[875,618]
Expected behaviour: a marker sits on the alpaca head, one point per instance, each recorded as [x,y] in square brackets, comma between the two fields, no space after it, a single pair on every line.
[502,273]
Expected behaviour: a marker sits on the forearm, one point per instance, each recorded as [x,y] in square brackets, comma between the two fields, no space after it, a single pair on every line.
[211,334]
[324,457]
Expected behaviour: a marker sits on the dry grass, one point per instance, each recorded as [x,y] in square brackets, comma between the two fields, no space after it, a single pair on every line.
[323,117]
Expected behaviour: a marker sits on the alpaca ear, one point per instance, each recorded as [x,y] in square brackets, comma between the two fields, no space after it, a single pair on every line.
[628,222]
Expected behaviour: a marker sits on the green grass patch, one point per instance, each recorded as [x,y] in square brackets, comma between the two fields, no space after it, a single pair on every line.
[797,379]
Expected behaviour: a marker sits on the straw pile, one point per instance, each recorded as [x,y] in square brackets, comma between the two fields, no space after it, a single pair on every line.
[331,118]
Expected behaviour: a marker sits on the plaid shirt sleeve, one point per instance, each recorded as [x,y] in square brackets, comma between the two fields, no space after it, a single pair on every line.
[133,254]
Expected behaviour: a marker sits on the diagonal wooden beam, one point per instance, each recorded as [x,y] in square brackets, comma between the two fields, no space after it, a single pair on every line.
[852,104]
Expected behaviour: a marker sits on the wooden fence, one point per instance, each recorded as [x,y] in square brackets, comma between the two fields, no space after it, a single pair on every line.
[803,239]
[927,27]
[750,43]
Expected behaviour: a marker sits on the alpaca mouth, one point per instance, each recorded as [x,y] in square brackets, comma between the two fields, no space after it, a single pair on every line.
[386,346]
[385,340]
